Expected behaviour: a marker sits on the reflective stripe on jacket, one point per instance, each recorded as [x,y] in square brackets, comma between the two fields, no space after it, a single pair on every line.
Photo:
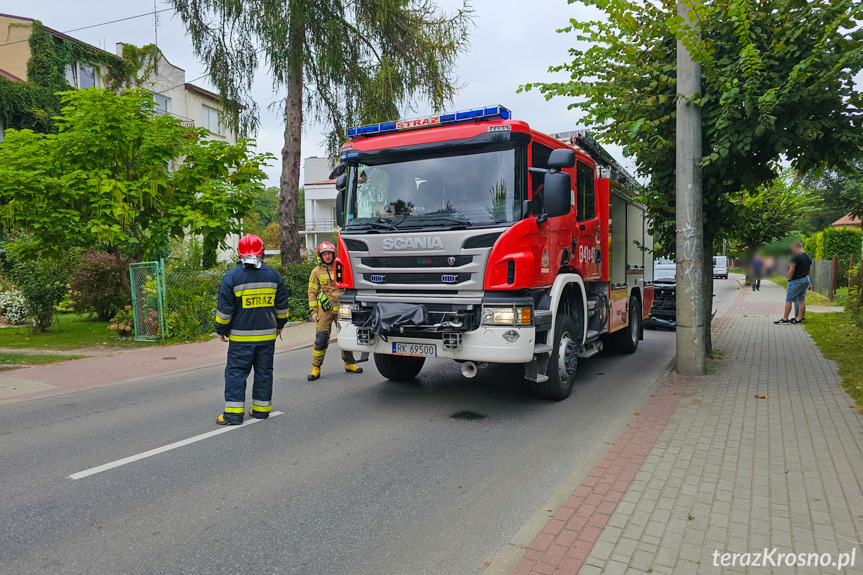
[253,304]
[321,281]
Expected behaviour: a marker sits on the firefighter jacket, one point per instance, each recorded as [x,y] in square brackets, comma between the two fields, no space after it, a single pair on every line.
[322,288]
[253,304]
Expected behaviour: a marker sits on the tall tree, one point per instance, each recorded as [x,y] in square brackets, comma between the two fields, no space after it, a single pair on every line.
[338,62]
[778,81]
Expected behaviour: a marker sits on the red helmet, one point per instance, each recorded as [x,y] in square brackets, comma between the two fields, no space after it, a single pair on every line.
[250,246]
[326,247]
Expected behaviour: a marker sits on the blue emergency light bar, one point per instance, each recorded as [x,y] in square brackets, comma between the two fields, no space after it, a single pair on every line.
[489,113]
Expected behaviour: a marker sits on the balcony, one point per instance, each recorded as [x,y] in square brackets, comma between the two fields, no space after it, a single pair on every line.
[185,122]
[320,225]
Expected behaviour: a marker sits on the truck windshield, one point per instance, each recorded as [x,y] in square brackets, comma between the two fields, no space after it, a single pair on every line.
[471,189]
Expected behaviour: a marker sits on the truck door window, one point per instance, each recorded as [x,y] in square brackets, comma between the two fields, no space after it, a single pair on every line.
[585,191]
[538,159]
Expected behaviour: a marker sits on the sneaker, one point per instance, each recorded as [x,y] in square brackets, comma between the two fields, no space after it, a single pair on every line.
[777,322]
[795,320]
[221,420]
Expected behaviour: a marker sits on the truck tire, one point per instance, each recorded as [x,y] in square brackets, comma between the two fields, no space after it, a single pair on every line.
[626,340]
[398,368]
[563,363]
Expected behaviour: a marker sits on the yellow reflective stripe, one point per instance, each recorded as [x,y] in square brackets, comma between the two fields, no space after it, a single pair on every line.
[319,351]
[262,407]
[268,337]
[255,291]
[281,316]
[222,321]
[234,410]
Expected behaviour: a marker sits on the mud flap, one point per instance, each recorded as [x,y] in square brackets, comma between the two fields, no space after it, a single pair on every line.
[364,356]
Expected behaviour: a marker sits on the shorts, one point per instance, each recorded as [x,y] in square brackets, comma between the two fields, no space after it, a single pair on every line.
[797,290]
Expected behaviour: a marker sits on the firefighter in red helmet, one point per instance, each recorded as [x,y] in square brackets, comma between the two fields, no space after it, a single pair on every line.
[250,314]
[324,305]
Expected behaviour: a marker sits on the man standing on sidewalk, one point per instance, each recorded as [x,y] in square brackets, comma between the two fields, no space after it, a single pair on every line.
[798,283]
[251,312]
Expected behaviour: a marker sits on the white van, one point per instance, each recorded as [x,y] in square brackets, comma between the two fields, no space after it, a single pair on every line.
[720,267]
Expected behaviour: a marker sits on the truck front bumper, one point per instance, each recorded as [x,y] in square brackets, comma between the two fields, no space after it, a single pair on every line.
[484,344]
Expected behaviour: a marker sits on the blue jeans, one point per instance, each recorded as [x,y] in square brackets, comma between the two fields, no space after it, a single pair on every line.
[242,357]
[797,290]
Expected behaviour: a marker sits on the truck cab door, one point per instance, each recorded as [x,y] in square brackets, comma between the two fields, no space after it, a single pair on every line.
[588,248]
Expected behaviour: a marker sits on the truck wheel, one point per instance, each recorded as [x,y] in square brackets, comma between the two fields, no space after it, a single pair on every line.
[626,340]
[563,362]
[398,368]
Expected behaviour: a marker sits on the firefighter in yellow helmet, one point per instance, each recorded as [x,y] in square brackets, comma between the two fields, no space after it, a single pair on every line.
[324,305]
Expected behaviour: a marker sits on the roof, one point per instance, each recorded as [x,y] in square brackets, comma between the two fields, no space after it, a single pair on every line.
[62,36]
[202,91]
[322,183]
[846,220]
[9,76]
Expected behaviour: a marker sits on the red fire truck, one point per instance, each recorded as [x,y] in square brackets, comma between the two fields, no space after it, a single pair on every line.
[472,237]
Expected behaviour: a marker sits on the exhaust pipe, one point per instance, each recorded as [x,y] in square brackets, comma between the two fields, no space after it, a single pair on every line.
[468,369]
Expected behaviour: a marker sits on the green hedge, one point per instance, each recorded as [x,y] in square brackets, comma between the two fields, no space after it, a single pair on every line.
[843,243]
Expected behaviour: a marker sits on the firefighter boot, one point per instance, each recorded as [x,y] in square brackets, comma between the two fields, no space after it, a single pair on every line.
[316,373]
[222,420]
[352,368]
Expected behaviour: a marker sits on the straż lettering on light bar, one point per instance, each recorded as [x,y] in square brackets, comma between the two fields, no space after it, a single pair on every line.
[487,113]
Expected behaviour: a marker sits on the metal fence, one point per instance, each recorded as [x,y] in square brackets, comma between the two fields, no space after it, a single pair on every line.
[821,276]
[177,304]
[148,301]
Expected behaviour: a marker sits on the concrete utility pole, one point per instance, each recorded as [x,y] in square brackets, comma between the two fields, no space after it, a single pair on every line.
[690,252]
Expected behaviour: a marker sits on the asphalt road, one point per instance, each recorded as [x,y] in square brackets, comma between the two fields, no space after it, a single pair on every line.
[359,475]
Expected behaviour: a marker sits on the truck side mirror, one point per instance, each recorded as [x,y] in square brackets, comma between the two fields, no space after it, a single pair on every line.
[556,192]
[561,158]
[340,209]
[338,170]
[342,182]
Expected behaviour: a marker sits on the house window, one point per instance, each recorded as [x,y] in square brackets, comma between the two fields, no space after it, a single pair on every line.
[211,119]
[163,104]
[82,76]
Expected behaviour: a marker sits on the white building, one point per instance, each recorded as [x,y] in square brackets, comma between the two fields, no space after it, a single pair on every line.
[320,202]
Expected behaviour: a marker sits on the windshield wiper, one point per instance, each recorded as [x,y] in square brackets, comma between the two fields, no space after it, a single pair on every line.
[378,224]
[445,219]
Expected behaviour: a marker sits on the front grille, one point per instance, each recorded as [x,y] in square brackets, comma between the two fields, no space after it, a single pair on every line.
[418,278]
[416,261]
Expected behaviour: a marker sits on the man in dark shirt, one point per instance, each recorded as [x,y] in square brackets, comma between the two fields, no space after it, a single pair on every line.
[798,283]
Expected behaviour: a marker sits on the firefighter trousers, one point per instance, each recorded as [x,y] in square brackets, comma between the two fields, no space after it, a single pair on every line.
[322,338]
[242,358]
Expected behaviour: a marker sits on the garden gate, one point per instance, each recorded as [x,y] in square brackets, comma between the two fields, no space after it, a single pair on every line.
[148,299]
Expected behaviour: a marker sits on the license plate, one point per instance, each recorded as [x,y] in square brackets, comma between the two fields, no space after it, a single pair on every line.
[415,349]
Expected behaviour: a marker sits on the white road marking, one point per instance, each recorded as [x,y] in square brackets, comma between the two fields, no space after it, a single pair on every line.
[164,448]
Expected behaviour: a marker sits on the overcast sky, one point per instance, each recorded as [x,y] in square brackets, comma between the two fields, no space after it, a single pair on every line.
[513,42]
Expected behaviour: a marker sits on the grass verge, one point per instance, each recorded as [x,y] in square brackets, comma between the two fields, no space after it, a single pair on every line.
[21,358]
[841,340]
[812,297]
[70,331]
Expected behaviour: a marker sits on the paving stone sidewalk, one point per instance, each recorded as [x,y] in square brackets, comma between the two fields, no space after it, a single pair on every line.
[723,470]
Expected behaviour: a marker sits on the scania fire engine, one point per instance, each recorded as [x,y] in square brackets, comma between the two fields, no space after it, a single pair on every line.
[472,237]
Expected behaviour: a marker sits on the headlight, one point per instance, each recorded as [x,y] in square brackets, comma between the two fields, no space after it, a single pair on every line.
[345,310]
[510,315]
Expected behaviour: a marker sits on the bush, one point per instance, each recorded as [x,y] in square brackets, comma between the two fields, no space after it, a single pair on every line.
[843,243]
[97,285]
[270,236]
[819,246]
[854,302]
[42,283]
[13,307]
[296,278]
[190,303]
[123,324]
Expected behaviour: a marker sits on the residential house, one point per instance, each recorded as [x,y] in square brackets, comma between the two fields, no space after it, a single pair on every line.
[321,194]
[847,221]
[192,104]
